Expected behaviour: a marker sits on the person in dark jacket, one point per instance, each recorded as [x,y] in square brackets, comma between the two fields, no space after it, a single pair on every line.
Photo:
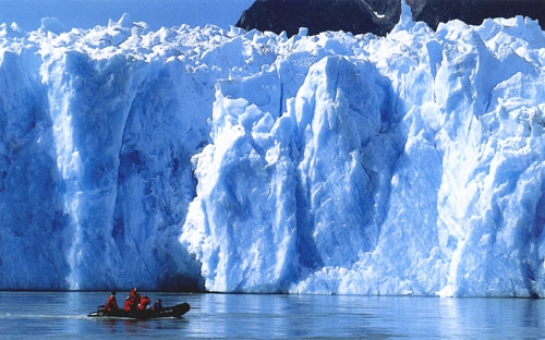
[157,306]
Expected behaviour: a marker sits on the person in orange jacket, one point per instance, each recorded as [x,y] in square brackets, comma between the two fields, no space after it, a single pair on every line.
[144,302]
[128,306]
[111,304]
[134,296]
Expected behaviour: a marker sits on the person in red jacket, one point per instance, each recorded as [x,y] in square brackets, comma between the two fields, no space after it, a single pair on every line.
[144,302]
[111,304]
[134,296]
[128,306]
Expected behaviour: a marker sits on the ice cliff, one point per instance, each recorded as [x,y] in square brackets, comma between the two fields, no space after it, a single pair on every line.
[225,160]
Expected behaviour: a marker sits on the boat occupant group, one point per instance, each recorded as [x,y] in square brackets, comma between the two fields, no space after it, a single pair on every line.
[133,303]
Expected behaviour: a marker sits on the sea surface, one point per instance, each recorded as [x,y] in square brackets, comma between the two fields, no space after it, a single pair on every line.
[37,315]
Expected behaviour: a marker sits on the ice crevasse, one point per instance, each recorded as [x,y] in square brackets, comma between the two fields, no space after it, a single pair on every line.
[233,161]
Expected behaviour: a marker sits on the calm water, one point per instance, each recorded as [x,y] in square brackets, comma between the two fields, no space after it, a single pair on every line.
[63,316]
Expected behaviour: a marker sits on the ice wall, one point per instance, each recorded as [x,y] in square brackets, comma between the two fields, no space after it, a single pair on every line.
[98,131]
[409,165]
[198,158]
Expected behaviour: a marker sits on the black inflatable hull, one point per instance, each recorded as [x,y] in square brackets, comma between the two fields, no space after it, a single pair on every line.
[169,312]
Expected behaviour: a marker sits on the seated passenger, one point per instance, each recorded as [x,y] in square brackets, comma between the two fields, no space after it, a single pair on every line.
[157,306]
[134,296]
[111,304]
[128,306]
[144,302]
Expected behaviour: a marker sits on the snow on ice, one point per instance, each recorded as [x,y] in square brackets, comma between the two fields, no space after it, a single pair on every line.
[233,161]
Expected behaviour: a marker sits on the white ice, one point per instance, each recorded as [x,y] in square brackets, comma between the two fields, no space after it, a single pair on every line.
[190,157]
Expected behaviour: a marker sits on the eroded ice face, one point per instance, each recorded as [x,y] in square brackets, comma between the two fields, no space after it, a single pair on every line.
[244,161]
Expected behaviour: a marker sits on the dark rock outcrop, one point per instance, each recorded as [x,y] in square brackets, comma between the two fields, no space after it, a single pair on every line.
[377,16]
[473,12]
[356,16]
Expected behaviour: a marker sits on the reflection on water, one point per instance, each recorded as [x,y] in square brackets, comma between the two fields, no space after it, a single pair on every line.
[63,315]
[504,318]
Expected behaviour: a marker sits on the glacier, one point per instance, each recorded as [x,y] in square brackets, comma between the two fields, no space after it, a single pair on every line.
[210,159]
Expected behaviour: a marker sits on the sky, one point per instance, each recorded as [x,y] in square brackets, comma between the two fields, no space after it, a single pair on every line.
[89,13]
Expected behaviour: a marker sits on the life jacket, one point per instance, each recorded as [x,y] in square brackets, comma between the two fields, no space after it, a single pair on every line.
[134,296]
[111,304]
[144,302]
[128,306]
